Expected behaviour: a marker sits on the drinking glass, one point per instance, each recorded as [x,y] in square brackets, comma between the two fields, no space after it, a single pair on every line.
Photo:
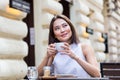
[32,73]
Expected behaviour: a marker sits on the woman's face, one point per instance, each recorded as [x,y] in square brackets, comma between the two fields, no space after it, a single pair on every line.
[62,30]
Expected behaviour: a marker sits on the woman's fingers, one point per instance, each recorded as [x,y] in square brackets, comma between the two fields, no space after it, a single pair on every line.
[51,50]
[66,46]
[67,50]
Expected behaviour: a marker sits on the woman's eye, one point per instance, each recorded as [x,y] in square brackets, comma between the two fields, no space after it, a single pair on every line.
[65,25]
[57,28]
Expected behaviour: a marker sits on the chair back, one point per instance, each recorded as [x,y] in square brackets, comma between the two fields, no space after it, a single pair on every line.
[111,70]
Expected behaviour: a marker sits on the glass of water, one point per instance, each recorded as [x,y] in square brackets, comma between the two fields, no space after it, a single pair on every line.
[32,73]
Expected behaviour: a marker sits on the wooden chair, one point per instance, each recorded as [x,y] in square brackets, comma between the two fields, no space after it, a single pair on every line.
[111,70]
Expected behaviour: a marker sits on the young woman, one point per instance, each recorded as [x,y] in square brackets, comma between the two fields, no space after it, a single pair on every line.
[76,58]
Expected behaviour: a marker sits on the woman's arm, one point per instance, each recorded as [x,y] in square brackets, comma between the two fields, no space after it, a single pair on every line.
[47,60]
[91,66]
[43,63]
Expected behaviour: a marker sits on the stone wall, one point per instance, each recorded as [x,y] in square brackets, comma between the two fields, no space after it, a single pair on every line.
[12,47]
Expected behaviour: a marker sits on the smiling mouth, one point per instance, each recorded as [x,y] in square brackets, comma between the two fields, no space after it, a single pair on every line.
[64,35]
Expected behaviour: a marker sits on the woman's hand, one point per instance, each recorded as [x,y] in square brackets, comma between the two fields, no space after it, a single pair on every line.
[51,51]
[67,50]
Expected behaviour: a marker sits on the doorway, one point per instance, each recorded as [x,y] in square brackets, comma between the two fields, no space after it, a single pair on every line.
[29,20]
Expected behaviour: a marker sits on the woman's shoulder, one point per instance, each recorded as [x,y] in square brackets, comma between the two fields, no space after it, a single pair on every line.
[86,47]
[83,45]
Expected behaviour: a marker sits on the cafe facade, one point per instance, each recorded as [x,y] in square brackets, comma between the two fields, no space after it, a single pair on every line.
[24,33]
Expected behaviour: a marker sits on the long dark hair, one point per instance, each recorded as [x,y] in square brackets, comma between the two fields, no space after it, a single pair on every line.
[52,39]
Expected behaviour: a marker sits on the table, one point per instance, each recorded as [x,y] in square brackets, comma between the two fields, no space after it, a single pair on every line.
[70,78]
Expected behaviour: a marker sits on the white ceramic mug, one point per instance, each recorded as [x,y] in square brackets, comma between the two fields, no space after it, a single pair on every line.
[58,46]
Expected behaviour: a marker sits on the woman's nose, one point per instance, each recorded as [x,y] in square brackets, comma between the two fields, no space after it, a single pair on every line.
[62,30]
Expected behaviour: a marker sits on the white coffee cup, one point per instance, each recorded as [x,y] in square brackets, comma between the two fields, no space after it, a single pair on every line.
[59,45]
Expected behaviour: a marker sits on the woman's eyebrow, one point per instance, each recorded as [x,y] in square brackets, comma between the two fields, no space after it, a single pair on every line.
[64,24]
[56,26]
